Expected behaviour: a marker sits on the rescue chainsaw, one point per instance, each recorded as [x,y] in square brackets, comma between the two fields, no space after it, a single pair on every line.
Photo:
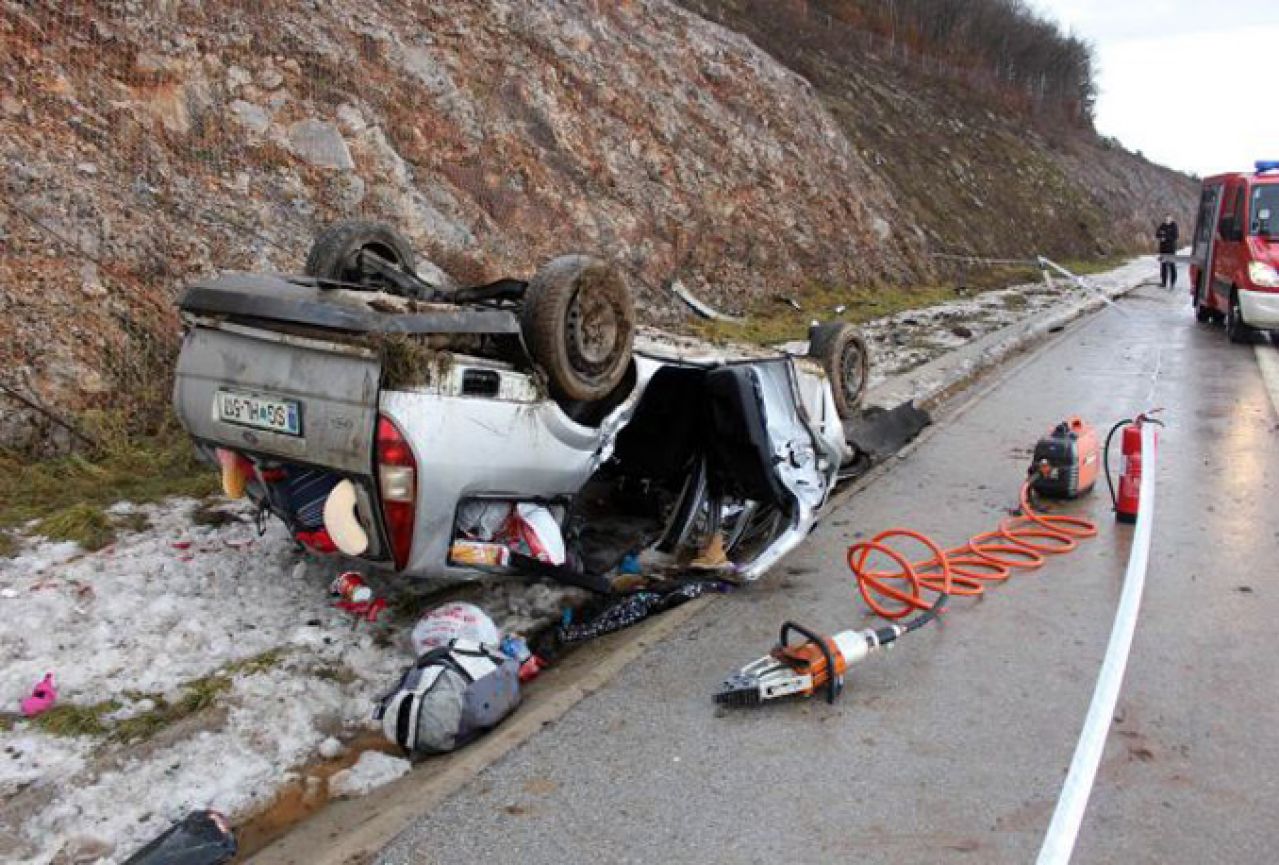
[804,668]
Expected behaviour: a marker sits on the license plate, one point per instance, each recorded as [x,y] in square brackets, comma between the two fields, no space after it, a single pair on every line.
[259,412]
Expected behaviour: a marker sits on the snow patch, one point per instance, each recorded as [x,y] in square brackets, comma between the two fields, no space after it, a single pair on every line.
[374,769]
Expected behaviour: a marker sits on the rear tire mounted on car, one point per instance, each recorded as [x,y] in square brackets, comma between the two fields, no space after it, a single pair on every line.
[578,322]
[841,350]
[335,254]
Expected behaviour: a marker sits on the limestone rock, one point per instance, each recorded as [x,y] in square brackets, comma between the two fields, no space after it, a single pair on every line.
[270,78]
[237,76]
[320,143]
[252,117]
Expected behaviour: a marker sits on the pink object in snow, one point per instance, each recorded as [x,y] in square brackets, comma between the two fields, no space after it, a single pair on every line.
[42,698]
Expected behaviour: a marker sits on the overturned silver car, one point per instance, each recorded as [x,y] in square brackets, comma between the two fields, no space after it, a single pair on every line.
[385,414]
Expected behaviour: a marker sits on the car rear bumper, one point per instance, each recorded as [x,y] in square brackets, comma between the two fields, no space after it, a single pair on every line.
[1260,308]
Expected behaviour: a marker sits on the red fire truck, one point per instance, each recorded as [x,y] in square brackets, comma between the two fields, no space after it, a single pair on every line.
[1234,264]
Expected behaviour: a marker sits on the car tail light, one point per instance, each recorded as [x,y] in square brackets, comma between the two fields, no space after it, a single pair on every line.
[397,481]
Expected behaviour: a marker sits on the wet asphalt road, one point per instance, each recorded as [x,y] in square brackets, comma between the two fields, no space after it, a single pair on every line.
[952,747]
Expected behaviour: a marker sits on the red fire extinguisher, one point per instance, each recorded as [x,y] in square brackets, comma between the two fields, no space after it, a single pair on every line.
[1127,500]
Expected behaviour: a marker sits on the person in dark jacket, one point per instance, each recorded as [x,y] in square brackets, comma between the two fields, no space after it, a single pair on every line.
[1166,234]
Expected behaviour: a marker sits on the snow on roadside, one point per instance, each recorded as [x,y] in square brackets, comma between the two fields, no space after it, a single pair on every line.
[137,622]
[901,342]
[140,621]
[374,769]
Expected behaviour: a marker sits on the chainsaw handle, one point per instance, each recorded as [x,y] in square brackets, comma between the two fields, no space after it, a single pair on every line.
[834,682]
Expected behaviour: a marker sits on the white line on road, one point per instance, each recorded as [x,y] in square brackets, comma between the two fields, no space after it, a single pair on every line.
[1154,379]
[1063,831]
[1268,360]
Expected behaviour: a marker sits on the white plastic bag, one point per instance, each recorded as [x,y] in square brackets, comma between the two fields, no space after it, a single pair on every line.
[455,621]
[533,531]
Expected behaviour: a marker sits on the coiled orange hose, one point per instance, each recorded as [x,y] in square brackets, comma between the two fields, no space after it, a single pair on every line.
[1020,543]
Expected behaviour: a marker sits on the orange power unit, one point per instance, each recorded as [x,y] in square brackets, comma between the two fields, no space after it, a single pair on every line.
[1066,460]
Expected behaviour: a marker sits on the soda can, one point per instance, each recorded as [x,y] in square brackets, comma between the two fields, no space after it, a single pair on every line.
[350,587]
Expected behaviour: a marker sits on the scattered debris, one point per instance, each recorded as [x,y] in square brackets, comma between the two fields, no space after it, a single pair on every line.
[449,697]
[367,611]
[634,608]
[354,596]
[516,648]
[879,432]
[202,838]
[43,696]
[439,627]
[678,289]
[349,586]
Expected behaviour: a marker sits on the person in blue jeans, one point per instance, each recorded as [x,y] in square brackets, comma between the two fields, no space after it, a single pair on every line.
[1166,234]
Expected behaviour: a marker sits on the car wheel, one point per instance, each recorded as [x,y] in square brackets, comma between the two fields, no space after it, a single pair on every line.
[1236,330]
[335,254]
[841,350]
[578,321]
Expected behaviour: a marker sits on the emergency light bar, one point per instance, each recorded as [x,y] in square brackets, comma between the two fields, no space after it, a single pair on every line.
[1264,165]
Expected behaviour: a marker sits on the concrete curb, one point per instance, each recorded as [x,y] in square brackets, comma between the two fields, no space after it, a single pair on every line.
[933,382]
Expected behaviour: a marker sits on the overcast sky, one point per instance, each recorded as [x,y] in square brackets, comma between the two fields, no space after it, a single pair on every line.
[1193,84]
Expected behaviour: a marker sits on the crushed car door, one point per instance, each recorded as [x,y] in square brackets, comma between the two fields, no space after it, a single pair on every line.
[764,451]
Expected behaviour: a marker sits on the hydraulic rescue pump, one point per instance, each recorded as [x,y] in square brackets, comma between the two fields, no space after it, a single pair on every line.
[1066,460]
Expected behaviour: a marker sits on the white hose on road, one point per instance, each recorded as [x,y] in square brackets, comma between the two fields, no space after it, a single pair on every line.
[1063,831]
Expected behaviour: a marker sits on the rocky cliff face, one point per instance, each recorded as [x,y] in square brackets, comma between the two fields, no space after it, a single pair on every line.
[144,143]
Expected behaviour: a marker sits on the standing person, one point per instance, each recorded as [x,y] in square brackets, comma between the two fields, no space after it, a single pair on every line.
[1166,234]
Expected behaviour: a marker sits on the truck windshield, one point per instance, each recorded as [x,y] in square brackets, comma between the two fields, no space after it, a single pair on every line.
[1264,216]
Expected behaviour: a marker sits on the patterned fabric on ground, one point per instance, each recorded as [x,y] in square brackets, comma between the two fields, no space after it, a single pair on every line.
[635,608]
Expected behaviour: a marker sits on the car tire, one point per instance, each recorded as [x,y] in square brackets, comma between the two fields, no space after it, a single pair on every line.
[1236,330]
[335,254]
[841,350]
[578,321]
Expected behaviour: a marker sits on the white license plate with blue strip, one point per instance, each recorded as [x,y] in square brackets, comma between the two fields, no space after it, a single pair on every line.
[260,412]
